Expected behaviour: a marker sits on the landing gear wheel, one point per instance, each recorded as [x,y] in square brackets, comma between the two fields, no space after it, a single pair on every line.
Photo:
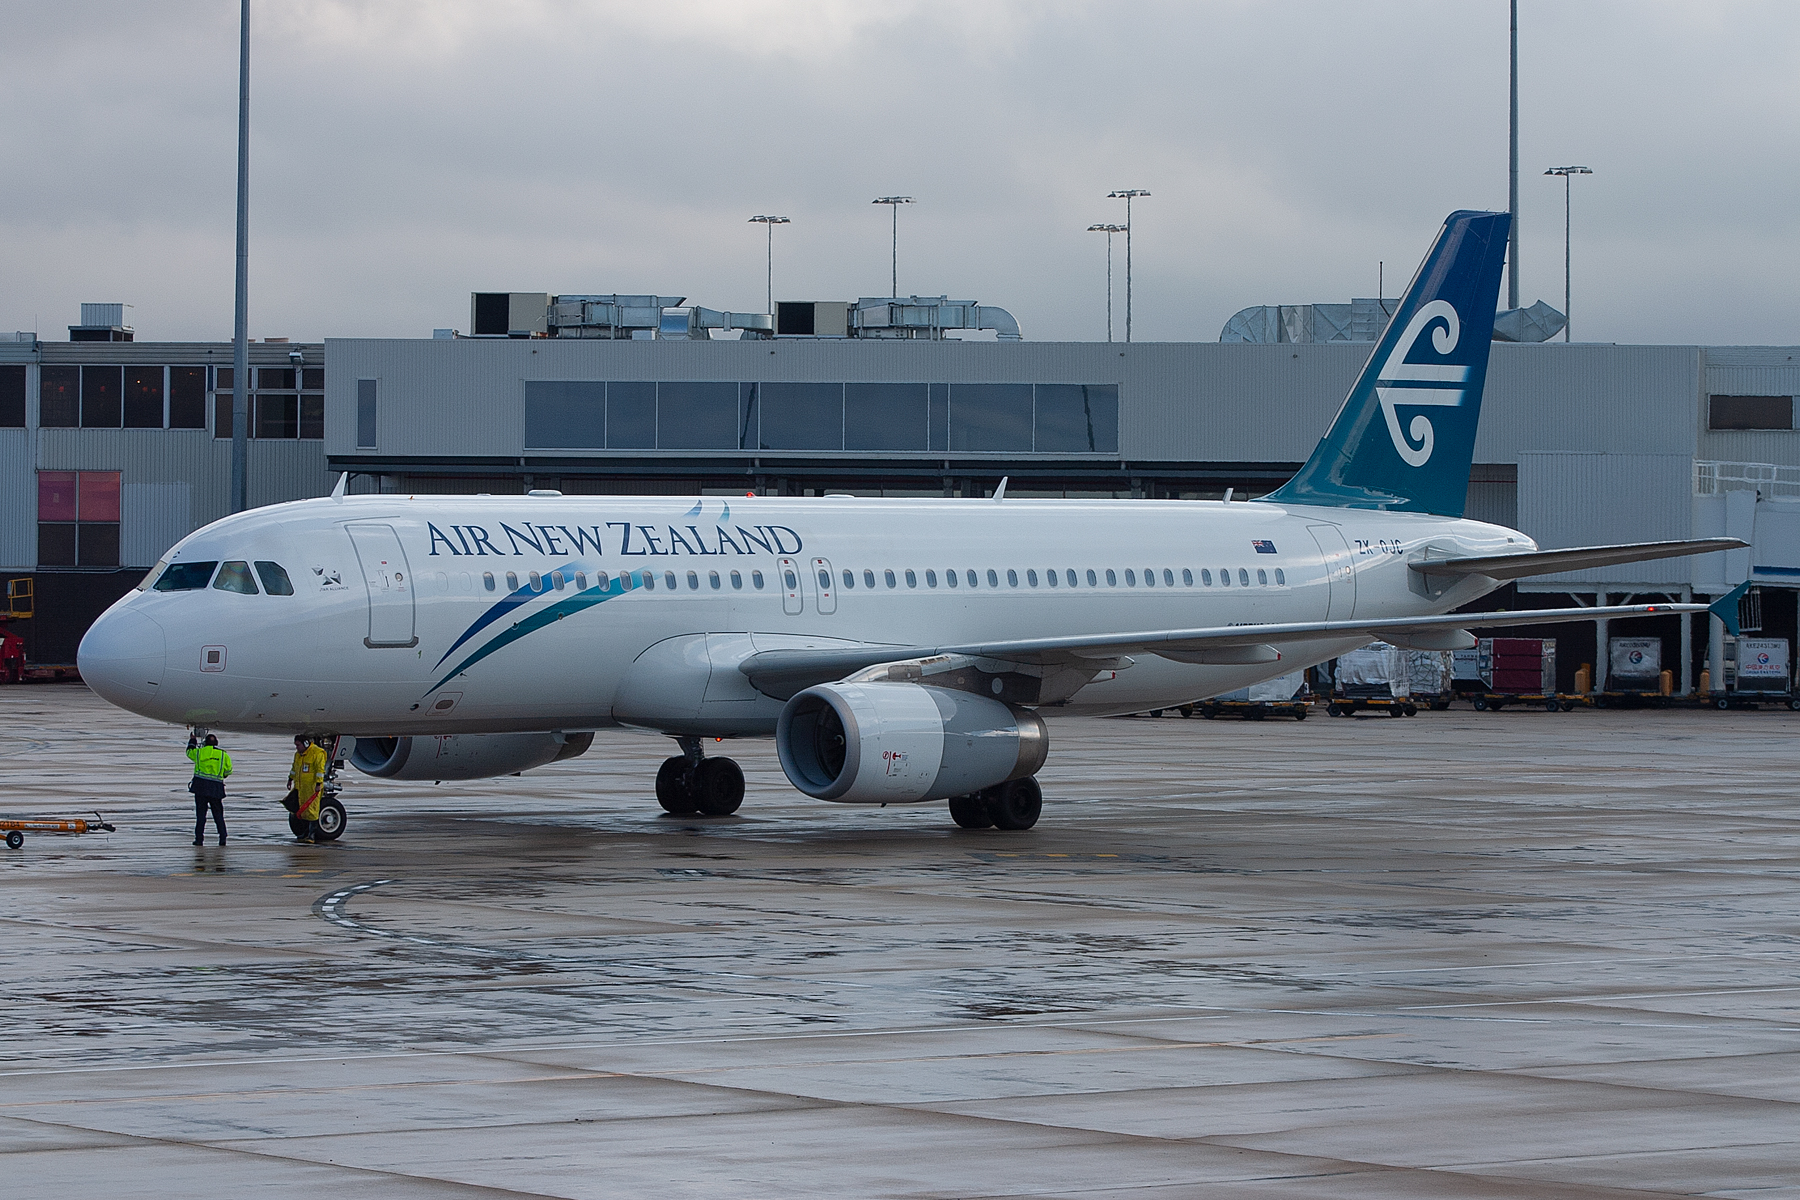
[14,839]
[1015,804]
[672,787]
[971,812]
[332,820]
[718,787]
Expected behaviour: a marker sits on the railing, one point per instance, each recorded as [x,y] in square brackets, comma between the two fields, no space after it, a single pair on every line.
[1713,478]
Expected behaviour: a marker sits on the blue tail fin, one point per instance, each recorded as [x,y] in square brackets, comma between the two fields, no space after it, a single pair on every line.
[1405,436]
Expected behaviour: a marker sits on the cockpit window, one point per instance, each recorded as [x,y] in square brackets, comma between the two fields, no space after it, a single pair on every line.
[275,581]
[235,577]
[186,577]
[154,574]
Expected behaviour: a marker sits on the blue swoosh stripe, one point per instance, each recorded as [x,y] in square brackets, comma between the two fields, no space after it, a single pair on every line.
[523,595]
[536,621]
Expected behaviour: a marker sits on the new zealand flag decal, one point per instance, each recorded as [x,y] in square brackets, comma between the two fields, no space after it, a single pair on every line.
[1264,547]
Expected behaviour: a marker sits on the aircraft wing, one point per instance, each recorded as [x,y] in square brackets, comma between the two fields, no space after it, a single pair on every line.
[1545,562]
[781,673]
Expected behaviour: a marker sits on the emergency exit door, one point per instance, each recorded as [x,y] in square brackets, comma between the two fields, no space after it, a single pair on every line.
[390,585]
[1340,572]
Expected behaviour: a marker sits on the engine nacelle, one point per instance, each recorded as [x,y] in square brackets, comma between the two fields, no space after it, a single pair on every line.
[894,743]
[464,755]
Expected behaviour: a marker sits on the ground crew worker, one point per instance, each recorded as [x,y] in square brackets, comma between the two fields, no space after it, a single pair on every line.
[308,781]
[212,766]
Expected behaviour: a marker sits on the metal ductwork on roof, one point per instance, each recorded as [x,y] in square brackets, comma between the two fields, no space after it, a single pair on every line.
[1365,320]
[611,316]
[1539,323]
[927,317]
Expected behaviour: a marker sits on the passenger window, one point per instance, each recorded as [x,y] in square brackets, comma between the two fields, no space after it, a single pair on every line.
[974,581]
[950,578]
[1092,581]
[669,578]
[602,581]
[536,580]
[993,578]
[824,581]
[737,581]
[1187,577]
[1262,577]
[648,579]
[792,580]
[581,581]
[235,577]
[1149,576]
[556,580]
[275,581]
[912,580]
[869,578]
[693,581]
[512,581]
[1225,577]
[756,580]
[1280,577]
[1243,577]
[1012,577]
[1168,577]
[712,577]
[1205,577]
[1071,577]
[186,577]
[931,579]
[1031,577]
[1112,580]
[849,579]
[1050,578]
[1130,578]
[487,580]
[889,576]
[624,582]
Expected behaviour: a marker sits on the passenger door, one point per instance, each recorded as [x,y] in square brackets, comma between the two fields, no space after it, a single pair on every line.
[390,585]
[792,597]
[826,597]
[1340,572]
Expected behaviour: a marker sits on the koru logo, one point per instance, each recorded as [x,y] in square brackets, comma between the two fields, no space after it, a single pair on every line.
[1430,385]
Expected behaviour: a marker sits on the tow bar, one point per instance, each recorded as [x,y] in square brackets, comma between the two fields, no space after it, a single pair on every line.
[17,829]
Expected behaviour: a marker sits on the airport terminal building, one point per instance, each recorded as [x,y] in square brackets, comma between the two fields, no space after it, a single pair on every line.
[112,449]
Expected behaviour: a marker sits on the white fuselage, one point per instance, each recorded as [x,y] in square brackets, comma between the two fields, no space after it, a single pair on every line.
[368,643]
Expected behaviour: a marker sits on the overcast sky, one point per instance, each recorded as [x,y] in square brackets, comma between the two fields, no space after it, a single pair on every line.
[406,154]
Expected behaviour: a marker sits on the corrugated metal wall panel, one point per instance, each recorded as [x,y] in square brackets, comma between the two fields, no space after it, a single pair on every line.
[1621,399]
[18,501]
[152,517]
[1579,499]
[286,470]
[1496,502]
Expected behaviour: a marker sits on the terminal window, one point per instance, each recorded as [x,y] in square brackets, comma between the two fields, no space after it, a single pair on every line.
[78,518]
[12,396]
[804,416]
[1750,412]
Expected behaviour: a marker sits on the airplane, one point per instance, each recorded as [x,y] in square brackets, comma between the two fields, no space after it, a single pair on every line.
[897,650]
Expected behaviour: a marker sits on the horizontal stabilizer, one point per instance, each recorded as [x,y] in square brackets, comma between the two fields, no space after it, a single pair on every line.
[1546,562]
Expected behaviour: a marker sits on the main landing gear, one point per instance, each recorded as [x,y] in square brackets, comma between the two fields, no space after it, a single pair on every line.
[690,784]
[1014,804]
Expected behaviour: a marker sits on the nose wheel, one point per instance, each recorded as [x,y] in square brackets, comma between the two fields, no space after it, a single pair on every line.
[689,785]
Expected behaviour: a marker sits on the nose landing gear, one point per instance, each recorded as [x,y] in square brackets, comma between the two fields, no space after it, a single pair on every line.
[332,817]
[690,784]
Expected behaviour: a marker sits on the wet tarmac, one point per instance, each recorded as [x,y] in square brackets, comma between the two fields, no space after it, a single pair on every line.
[1460,955]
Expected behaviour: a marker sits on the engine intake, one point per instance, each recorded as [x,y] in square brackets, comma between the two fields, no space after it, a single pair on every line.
[895,743]
[464,755]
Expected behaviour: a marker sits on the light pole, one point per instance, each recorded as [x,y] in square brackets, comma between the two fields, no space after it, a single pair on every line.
[1108,230]
[1127,195]
[1567,173]
[240,334]
[770,223]
[1512,170]
[894,203]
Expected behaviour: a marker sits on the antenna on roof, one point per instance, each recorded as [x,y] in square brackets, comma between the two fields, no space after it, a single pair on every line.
[343,486]
[1000,492]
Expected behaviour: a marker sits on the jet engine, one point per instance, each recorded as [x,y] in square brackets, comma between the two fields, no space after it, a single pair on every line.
[894,743]
[464,755]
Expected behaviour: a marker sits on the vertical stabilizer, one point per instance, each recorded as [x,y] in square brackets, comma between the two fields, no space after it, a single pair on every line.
[1405,436]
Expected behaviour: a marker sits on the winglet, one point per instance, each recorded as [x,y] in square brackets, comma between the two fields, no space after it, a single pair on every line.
[1726,607]
[343,486]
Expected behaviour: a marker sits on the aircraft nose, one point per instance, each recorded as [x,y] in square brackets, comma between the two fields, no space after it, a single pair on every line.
[122,658]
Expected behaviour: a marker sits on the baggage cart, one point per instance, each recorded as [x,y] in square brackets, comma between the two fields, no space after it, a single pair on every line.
[1373,679]
[1285,696]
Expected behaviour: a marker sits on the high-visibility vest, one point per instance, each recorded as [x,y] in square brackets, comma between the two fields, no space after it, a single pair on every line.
[210,762]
